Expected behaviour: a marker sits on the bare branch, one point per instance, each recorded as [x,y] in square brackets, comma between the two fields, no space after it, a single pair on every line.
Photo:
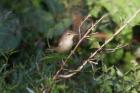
[82,24]
[116,48]
[98,50]
[85,35]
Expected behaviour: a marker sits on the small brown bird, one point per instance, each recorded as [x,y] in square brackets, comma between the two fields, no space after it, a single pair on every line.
[66,42]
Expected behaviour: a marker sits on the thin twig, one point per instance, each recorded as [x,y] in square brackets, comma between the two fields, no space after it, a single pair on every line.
[88,31]
[116,48]
[82,25]
[98,50]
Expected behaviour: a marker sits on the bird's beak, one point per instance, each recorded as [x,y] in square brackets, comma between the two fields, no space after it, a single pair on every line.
[75,34]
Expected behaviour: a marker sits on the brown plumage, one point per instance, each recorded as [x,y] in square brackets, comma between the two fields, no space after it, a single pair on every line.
[65,42]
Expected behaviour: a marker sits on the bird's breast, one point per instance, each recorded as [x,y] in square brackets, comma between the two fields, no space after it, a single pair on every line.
[65,45]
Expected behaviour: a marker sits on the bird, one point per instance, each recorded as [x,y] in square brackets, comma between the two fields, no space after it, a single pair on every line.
[66,42]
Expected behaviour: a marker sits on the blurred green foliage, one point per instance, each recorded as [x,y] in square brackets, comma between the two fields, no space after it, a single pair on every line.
[26,27]
[10,34]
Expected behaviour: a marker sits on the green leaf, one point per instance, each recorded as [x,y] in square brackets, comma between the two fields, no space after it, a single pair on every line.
[54,6]
[126,35]
[55,57]
[121,9]
[10,34]
[114,57]
[58,28]
[94,43]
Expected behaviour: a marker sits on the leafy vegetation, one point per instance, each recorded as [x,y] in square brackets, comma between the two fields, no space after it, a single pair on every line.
[29,28]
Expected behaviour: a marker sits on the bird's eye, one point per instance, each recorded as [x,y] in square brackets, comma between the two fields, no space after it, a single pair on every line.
[68,34]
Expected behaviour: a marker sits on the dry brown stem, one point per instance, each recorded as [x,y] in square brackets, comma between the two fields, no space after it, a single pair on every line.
[101,48]
[79,42]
